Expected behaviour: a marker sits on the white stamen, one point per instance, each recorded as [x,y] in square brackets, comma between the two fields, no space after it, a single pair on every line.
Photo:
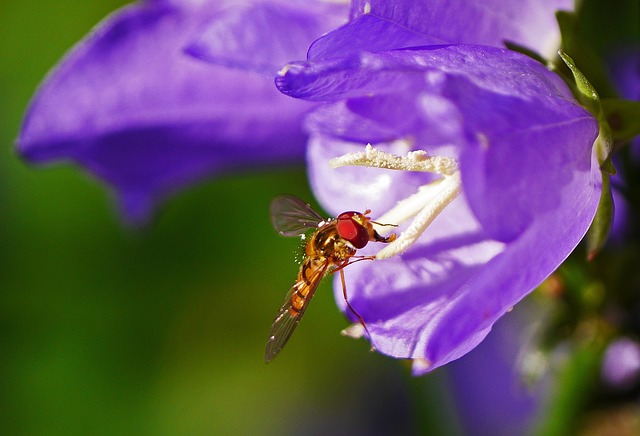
[414,161]
[367,8]
[410,206]
[449,190]
[354,331]
[423,206]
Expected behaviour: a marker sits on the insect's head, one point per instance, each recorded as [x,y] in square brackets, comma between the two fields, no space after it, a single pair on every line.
[355,228]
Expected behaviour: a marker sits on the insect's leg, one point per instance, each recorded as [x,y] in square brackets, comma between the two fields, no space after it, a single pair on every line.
[383,225]
[350,261]
[386,239]
[346,300]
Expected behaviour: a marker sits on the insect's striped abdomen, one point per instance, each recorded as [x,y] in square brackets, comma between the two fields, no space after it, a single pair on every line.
[310,272]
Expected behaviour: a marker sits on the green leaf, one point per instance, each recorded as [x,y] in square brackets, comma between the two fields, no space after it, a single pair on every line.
[582,49]
[588,97]
[623,117]
[587,94]
[601,226]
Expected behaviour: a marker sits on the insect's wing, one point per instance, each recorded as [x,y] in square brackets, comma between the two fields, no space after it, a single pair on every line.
[287,319]
[292,217]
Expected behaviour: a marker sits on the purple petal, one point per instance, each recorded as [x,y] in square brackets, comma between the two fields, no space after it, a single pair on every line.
[489,385]
[379,25]
[371,33]
[509,114]
[530,186]
[263,37]
[501,171]
[625,72]
[129,105]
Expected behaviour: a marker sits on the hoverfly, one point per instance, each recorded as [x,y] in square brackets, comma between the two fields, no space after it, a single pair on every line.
[330,248]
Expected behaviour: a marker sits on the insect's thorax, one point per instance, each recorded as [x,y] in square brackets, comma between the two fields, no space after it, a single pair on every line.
[327,243]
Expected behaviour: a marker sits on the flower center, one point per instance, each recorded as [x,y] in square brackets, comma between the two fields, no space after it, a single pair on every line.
[423,206]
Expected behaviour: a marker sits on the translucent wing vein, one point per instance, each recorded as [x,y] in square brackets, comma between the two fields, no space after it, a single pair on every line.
[291,216]
[288,316]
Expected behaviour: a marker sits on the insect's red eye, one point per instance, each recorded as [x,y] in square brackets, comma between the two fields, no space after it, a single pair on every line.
[351,230]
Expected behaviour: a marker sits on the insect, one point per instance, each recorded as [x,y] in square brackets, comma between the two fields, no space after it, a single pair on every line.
[331,247]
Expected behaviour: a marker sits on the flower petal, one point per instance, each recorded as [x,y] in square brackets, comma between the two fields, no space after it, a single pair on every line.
[513,121]
[379,25]
[489,385]
[625,72]
[621,364]
[128,104]
[262,37]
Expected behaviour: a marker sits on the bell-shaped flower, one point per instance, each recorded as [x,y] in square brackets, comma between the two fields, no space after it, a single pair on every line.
[481,155]
[131,106]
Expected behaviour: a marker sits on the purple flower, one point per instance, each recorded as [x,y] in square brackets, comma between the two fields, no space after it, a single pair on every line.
[621,364]
[523,195]
[378,25]
[138,112]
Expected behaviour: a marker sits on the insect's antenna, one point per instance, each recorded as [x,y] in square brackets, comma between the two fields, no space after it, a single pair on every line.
[346,300]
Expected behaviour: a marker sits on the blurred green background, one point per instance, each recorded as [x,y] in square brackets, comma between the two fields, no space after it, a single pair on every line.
[106,330]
